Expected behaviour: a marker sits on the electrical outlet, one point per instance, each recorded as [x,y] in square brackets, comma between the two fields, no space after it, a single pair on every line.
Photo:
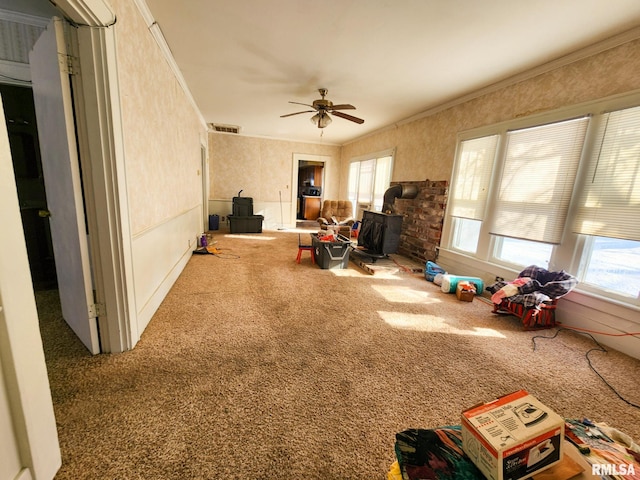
[222,218]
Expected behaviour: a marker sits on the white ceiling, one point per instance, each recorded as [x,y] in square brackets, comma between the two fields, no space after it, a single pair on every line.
[244,60]
[392,59]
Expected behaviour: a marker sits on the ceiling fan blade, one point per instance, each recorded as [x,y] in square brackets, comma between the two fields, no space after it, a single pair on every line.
[348,117]
[297,113]
[342,106]
[305,104]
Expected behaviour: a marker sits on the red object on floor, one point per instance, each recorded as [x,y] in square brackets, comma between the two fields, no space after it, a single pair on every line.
[302,248]
[532,318]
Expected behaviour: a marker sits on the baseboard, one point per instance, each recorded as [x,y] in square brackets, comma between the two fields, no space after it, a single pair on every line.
[159,256]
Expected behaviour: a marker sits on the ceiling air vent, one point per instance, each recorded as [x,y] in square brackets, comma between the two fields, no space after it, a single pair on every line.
[219,127]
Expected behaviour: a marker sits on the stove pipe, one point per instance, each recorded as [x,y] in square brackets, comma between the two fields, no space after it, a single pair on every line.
[397,191]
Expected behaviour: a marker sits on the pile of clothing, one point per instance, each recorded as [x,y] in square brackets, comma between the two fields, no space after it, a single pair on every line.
[533,287]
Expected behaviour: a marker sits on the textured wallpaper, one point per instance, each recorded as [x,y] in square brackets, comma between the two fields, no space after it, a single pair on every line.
[260,167]
[426,147]
[162,130]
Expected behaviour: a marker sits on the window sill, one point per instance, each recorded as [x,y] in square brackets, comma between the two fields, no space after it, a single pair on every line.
[462,264]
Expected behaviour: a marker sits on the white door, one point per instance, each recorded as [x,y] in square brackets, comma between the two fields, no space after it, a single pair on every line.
[29,446]
[61,169]
[10,464]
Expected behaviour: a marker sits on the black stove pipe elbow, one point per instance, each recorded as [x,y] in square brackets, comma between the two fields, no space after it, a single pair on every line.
[397,191]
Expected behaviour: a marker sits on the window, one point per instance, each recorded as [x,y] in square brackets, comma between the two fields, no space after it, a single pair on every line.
[612,264]
[609,206]
[368,180]
[611,191]
[470,189]
[537,180]
[466,234]
[560,193]
[519,252]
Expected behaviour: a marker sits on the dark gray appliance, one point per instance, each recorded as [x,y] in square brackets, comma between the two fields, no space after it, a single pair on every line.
[379,233]
[311,191]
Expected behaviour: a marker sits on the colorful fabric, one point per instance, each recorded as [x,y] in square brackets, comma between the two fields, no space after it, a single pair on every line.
[434,455]
[542,286]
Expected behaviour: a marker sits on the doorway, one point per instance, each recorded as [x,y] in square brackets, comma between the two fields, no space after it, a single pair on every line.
[304,168]
[310,180]
[20,119]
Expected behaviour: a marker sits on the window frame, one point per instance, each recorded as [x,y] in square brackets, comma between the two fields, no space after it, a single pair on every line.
[367,158]
[572,252]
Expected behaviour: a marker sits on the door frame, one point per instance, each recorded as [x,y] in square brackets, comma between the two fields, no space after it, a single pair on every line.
[100,141]
[205,185]
[297,158]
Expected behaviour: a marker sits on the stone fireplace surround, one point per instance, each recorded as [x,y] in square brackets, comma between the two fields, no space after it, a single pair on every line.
[423,219]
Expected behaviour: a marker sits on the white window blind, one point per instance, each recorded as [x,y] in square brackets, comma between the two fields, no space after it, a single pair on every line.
[610,200]
[537,180]
[369,178]
[473,175]
[382,180]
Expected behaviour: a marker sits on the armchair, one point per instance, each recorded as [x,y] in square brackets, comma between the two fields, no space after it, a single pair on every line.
[337,213]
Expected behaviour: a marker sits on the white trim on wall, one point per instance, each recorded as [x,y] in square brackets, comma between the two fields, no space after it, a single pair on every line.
[326,193]
[388,152]
[160,254]
[102,155]
[94,13]
[15,73]
[23,18]
[324,143]
[204,176]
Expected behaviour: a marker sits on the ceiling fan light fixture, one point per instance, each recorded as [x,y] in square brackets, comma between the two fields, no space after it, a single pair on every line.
[321,121]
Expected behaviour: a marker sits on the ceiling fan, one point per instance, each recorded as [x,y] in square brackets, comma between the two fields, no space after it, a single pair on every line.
[322,108]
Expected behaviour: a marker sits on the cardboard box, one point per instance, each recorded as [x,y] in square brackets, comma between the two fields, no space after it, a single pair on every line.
[512,437]
[465,291]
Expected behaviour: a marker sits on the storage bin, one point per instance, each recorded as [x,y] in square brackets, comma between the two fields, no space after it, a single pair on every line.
[214,222]
[330,255]
[245,224]
[242,206]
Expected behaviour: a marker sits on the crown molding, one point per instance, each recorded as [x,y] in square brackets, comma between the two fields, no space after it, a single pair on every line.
[89,13]
[17,17]
[158,36]
[586,52]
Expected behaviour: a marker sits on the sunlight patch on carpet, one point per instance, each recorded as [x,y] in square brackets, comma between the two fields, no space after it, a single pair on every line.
[358,273]
[244,236]
[431,323]
[400,294]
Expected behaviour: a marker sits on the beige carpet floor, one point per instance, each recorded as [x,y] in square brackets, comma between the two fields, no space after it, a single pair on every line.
[255,367]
